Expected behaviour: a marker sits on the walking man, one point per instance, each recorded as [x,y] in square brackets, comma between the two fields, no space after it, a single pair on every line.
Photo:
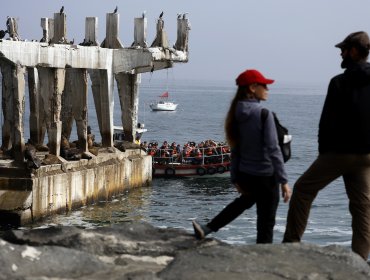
[344,147]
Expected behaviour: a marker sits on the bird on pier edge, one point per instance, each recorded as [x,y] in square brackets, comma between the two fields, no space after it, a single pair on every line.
[61,10]
[115,10]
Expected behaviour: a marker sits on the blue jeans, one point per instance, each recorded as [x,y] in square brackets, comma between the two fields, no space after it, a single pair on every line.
[260,190]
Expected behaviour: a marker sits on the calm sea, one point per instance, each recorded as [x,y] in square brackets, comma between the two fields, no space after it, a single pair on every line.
[200,115]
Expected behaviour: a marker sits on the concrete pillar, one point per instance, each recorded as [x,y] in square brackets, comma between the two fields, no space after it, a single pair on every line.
[51,28]
[161,37]
[13,87]
[60,29]
[7,106]
[140,32]
[102,87]
[12,28]
[183,27]
[51,89]
[91,31]
[128,90]
[111,40]
[74,105]
[46,30]
[36,121]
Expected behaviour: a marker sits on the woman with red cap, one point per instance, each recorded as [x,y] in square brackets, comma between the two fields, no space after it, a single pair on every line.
[257,167]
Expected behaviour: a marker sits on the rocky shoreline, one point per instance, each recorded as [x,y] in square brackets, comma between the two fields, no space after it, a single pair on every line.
[138,250]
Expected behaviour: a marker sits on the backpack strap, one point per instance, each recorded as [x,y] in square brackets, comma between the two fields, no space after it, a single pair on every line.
[264,115]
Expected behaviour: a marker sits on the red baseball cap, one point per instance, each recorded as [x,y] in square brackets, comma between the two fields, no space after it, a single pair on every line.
[252,76]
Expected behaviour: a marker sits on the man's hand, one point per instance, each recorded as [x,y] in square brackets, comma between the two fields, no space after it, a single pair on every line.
[286,192]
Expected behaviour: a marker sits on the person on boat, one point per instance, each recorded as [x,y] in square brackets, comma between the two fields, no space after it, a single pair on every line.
[173,150]
[165,149]
[257,167]
[186,151]
[144,146]
[153,149]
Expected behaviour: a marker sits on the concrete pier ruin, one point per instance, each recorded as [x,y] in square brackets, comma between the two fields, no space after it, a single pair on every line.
[46,175]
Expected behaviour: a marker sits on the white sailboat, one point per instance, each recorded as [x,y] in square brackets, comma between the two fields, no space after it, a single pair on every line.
[163,104]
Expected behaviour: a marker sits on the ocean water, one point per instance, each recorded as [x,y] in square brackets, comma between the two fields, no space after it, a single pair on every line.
[200,116]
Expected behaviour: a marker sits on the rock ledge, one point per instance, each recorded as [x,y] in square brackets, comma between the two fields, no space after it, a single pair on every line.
[141,251]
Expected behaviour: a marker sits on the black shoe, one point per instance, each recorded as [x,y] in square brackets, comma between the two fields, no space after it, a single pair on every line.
[200,231]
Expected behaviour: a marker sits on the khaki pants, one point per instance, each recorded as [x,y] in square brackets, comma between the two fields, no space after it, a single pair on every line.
[355,170]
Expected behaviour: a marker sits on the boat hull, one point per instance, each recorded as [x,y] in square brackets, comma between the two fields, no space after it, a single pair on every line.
[163,107]
[191,170]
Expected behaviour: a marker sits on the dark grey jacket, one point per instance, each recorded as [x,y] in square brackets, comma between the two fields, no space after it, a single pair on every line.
[258,152]
[345,120]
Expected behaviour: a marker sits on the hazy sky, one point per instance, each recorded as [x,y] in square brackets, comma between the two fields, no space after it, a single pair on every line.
[288,40]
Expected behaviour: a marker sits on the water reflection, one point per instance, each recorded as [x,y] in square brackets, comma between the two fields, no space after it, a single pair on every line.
[130,206]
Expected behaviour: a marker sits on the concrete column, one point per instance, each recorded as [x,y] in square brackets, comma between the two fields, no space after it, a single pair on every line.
[74,105]
[51,28]
[60,29]
[102,87]
[7,106]
[12,28]
[36,124]
[140,32]
[111,40]
[128,90]
[51,89]
[45,30]
[161,37]
[91,31]
[13,108]
[183,27]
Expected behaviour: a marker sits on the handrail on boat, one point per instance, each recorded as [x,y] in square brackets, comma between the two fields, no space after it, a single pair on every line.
[220,155]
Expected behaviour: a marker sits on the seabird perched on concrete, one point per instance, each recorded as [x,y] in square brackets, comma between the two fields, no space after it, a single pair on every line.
[184,15]
[61,10]
[179,16]
[161,15]
[115,10]
[30,155]
[144,13]
[2,33]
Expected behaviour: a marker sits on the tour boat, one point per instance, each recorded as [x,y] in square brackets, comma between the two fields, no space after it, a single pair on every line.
[203,165]
[163,104]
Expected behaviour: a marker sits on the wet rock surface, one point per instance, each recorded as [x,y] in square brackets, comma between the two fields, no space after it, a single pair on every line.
[141,251]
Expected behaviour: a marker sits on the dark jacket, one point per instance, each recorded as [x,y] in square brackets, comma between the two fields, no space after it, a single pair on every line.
[345,120]
[258,152]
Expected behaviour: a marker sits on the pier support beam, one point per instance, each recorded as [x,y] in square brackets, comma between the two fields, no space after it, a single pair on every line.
[74,105]
[140,31]
[12,28]
[91,31]
[60,29]
[51,89]
[47,25]
[182,42]
[161,37]
[102,87]
[128,90]
[13,84]
[112,40]
[36,121]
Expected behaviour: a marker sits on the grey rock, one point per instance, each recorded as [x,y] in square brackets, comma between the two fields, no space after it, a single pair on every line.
[141,251]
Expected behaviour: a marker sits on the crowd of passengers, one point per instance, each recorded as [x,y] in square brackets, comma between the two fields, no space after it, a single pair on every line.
[209,150]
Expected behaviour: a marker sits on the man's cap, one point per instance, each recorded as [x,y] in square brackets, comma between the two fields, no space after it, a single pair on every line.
[356,39]
[252,76]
